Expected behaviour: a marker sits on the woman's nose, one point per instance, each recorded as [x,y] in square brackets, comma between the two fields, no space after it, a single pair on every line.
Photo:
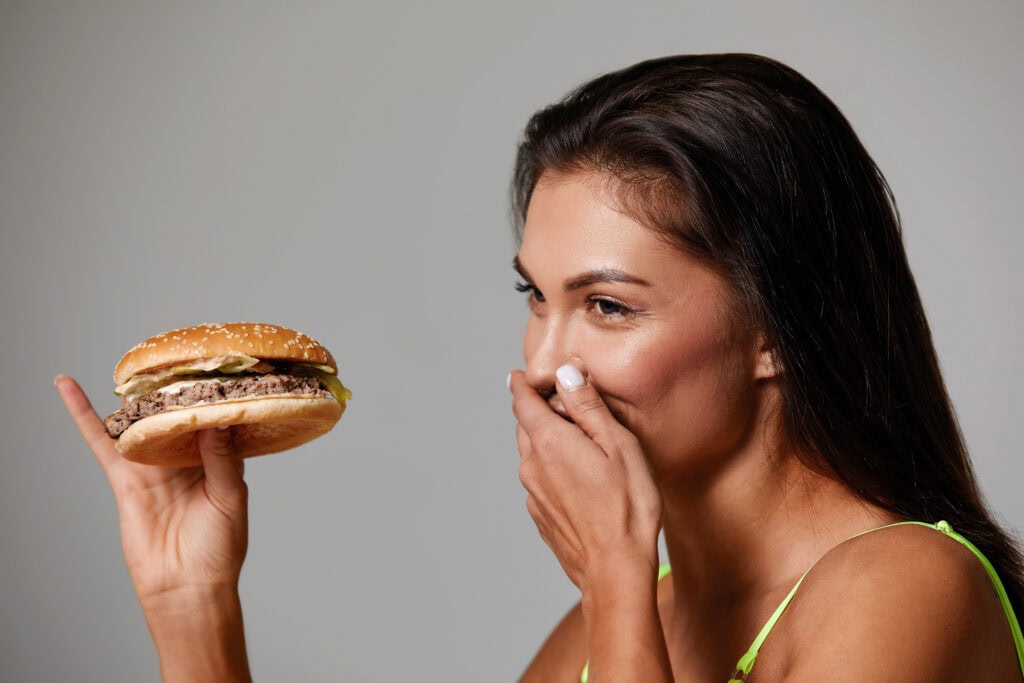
[546,348]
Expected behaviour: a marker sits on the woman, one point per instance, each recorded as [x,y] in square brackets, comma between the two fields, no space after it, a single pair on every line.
[725,343]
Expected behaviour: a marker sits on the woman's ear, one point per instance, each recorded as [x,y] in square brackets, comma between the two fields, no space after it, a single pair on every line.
[769,366]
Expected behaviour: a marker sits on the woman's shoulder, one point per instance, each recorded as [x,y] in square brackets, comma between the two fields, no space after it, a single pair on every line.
[563,654]
[905,599]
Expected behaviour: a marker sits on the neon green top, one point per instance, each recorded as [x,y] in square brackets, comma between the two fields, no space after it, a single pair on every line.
[746,663]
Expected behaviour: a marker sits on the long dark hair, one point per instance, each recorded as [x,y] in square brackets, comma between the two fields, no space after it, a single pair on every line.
[744,163]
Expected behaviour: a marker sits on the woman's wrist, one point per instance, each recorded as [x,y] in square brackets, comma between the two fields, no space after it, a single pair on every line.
[620,573]
[616,586]
[198,633]
[624,635]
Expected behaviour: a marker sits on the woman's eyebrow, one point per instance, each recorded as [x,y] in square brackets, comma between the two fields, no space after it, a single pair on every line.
[602,275]
[591,277]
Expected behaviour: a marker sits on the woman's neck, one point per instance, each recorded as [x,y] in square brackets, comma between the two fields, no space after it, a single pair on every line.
[740,536]
[747,532]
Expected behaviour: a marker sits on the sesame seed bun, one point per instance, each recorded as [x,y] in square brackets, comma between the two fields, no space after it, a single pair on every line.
[259,340]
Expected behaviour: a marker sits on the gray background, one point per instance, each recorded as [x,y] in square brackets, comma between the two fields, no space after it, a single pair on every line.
[342,169]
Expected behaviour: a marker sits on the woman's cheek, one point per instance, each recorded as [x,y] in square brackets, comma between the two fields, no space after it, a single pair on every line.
[658,391]
[624,383]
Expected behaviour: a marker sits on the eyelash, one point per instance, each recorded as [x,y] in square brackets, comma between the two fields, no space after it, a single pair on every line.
[526,288]
[594,303]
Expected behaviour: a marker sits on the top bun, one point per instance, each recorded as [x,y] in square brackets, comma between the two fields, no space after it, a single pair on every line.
[259,340]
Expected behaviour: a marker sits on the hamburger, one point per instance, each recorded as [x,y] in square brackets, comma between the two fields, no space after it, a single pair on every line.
[276,387]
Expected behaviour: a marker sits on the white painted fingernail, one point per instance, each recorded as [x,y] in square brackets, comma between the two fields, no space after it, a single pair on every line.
[569,377]
[508,381]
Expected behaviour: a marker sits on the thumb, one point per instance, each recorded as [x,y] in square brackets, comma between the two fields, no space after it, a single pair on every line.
[585,406]
[222,467]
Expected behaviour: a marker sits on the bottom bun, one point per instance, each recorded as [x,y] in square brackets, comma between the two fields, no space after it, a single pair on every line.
[259,425]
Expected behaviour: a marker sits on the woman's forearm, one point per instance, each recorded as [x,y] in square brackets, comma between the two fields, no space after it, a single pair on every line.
[199,635]
[625,641]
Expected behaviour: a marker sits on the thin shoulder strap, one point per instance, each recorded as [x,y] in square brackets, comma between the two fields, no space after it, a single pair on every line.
[1004,599]
[746,663]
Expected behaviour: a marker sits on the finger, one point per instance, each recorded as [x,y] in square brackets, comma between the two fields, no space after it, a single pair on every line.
[564,548]
[532,411]
[585,406]
[225,486]
[588,410]
[523,442]
[535,512]
[540,520]
[528,467]
[89,423]
[542,502]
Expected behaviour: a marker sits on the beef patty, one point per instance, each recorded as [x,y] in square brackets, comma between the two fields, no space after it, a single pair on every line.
[210,392]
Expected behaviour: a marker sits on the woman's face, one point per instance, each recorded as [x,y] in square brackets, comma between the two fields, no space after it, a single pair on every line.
[655,330]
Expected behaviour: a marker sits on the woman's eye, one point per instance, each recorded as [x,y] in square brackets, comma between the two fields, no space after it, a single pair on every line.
[534,293]
[609,307]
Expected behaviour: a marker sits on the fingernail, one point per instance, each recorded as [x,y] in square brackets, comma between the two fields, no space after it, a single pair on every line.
[508,381]
[569,377]
[223,428]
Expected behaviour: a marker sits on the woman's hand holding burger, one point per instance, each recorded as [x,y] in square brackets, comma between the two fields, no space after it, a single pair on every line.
[595,504]
[195,401]
[184,532]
